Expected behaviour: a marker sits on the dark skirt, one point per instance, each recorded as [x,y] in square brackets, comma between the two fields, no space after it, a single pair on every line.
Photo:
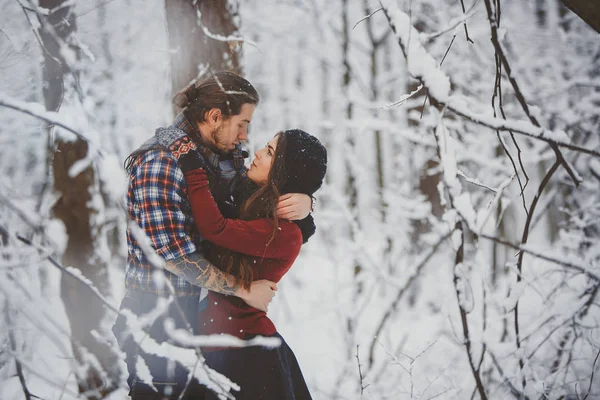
[261,373]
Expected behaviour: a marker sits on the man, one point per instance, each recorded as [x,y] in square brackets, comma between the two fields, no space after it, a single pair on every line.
[216,116]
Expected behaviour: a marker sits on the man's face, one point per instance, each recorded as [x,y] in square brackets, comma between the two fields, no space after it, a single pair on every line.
[232,130]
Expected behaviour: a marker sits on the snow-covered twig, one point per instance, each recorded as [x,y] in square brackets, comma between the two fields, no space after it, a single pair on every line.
[592,376]
[526,250]
[524,239]
[360,375]
[421,65]
[366,17]
[38,374]
[424,68]
[37,110]
[221,38]
[401,101]
[515,392]
[394,305]
[452,24]
[458,106]
[185,339]
[9,39]
[32,222]
[498,95]
[501,53]
[462,3]
[75,274]
[34,27]
[13,345]
[458,262]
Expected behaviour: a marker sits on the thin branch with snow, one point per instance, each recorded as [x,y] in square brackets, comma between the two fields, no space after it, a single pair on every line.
[458,106]
[403,290]
[527,250]
[592,376]
[37,110]
[501,53]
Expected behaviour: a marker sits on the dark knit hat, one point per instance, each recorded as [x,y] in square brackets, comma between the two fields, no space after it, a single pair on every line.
[305,161]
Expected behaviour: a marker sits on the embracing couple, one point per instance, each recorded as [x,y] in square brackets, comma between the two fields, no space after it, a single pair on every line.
[227,234]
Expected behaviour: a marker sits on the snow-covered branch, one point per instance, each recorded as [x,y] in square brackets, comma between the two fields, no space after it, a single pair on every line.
[423,67]
[38,110]
[458,105]
[584,269]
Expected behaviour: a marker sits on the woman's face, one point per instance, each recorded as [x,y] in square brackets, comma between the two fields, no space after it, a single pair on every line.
[263,159]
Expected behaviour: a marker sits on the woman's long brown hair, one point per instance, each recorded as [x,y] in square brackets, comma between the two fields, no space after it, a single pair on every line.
[261,204]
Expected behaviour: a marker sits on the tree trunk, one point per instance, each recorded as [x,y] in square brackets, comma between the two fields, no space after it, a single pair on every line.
[589,11]
[73,208]
[193,52]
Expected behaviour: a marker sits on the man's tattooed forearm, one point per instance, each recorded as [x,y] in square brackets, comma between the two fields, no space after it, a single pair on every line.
[199,272]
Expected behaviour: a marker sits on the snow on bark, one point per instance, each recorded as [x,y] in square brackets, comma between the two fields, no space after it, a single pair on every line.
[463,288]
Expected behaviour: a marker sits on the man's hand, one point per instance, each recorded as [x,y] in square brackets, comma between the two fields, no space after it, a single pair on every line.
[260,294]
[294,206]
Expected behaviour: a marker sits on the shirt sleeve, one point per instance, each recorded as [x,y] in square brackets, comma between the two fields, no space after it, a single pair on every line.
[158,188]
[248,237]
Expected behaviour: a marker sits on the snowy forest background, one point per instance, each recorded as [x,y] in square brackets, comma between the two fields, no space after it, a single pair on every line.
[457,252]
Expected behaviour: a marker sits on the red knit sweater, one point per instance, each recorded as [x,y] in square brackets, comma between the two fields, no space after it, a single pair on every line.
[229,314]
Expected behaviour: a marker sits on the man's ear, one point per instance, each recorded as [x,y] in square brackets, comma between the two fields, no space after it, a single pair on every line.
[214,116]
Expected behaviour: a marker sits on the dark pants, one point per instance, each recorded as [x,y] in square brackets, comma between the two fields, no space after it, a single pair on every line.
[262,373]
[169,378]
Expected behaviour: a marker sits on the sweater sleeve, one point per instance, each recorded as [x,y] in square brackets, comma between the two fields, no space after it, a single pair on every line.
[248,237]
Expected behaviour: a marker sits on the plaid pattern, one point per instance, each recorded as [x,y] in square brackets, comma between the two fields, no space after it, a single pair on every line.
[157,202]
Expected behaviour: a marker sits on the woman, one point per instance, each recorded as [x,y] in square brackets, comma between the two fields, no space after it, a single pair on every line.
[255,246]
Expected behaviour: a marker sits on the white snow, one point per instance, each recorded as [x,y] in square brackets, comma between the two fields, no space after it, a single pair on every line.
[420,63]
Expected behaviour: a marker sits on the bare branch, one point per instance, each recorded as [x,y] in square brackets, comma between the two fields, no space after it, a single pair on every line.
[515,392]
[438,87]
[536,254]
[462,3]
[39,375]
[362,386]
[394,305]
[459,260]
[518,92]
[498,94]
[452,189]
[38,111]
[520,127]
[228,39]
[452,25]
[524,239]
[592,376]
[34,29]
[75,276]
[13,345]
[366,17]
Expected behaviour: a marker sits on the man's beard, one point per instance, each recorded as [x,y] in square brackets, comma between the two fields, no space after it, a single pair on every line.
[217,145]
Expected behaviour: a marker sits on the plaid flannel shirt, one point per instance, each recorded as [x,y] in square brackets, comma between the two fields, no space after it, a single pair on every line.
[157,202]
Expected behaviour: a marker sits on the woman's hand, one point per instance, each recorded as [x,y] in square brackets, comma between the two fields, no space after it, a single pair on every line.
[294,206]
[260,294]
